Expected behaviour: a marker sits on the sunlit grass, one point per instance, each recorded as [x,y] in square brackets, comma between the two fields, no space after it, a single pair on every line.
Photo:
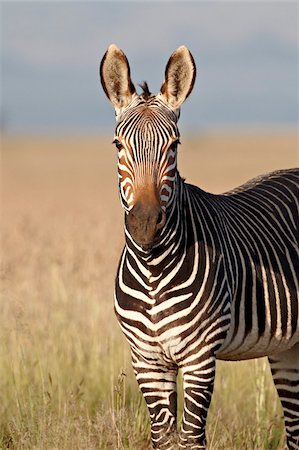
[65,376]
[66,379]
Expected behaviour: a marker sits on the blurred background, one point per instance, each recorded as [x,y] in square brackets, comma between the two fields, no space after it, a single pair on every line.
[246,53]
[62,355]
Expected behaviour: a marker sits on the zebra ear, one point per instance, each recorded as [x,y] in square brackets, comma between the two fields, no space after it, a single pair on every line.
[180,76]
[115,78]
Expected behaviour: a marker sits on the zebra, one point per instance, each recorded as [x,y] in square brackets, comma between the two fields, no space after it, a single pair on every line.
[202,276]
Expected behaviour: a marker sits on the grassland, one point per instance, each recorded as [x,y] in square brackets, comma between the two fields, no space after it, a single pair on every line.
[65,375]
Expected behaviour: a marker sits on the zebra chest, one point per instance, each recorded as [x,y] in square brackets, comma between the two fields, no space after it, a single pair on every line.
[162,314]
[155,314]
[151,323]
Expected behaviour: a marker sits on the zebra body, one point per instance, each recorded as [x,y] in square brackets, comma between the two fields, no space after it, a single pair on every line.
[202,276]
[157,295]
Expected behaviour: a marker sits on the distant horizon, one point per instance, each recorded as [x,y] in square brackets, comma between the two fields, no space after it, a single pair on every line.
[259,130]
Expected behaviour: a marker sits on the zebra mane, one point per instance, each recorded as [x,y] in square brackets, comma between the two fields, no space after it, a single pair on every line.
[146,92]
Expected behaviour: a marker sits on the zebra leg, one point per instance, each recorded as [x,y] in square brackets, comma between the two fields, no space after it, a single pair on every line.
[157,382]
[198,382]
[285,373]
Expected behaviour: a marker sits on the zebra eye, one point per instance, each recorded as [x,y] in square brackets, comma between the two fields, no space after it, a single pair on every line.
[117,144]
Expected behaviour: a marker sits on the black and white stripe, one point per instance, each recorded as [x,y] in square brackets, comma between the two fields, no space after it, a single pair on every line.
[220,280]
[224,284]
[142,140]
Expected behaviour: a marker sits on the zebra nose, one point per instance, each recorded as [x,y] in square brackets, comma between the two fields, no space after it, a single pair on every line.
[161,219]
[144,221]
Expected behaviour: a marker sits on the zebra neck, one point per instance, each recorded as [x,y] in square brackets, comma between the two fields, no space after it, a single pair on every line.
[183,265]
[175,237]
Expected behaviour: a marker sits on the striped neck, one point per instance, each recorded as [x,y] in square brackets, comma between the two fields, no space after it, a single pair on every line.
[171,237]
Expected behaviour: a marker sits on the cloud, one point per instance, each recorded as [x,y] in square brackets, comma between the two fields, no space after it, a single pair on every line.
[245,52]
[68,33]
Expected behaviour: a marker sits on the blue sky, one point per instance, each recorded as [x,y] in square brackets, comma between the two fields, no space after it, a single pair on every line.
[246,53]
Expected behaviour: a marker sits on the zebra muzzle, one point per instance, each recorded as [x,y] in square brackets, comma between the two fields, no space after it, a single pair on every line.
[144,223]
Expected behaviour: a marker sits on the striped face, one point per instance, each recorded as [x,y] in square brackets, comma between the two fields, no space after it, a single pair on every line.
[146,138]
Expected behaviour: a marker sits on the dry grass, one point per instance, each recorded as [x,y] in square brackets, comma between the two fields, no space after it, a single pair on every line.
[62,356]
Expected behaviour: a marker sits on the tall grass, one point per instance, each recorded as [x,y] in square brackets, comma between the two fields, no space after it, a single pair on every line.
[65,376]
[66,380]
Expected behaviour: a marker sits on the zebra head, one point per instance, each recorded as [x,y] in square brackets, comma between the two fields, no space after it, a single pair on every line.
[146,137]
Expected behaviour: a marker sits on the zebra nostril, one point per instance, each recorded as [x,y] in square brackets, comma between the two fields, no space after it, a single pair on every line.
[161,219]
